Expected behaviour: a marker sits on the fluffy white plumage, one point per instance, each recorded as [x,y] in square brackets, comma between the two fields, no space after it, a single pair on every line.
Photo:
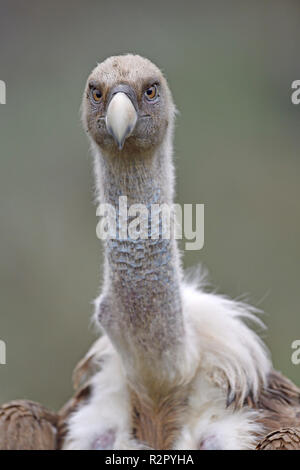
[221,351]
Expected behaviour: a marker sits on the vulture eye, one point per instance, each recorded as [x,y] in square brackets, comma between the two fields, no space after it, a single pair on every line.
[96,95]
[151,92]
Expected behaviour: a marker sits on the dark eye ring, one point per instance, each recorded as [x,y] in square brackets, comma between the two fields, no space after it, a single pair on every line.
[151,92]
[96,95]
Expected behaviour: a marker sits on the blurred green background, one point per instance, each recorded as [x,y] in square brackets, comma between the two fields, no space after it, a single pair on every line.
[230,66]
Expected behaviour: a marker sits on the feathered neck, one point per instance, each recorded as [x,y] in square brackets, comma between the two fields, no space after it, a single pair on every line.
[140,307]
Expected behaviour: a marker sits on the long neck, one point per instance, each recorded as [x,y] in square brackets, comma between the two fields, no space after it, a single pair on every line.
[141,303]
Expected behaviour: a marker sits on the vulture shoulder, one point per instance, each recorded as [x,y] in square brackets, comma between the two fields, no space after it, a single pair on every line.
[82,377]
[283,439]
[279,407]
[279,402]
[25,425]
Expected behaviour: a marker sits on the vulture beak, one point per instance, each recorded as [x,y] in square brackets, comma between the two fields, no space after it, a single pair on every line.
[121,115]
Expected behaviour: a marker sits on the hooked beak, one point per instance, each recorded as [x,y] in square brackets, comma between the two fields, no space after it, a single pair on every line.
[121,117]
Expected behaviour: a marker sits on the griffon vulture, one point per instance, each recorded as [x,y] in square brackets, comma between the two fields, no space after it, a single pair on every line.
[176,367]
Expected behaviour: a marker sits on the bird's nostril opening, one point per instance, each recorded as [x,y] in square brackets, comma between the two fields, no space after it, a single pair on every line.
[127,90]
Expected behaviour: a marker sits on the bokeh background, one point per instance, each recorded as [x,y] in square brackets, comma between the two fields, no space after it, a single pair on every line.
[230,66]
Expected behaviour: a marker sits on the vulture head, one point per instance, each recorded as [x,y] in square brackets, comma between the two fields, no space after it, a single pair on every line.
[127,106]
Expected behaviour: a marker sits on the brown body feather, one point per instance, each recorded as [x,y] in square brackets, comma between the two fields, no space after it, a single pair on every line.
[279,403]
[157,424]
[284,439]
[25,425]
